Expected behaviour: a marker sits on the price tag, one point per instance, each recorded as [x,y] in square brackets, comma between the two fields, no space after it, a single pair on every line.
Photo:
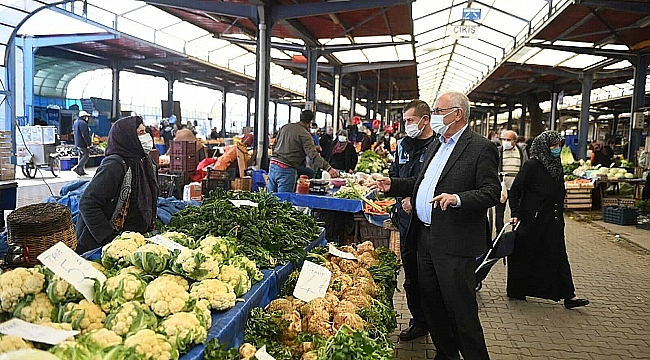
[240,203]
[342,254]
[313,282]
[261,354]
[33,332]
[169,244]
[72,268]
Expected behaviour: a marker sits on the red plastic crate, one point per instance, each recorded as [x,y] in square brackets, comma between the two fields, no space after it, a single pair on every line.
[183,163]
[182,148]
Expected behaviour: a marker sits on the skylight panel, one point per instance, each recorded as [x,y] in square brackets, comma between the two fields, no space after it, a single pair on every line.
[582,61]
[549,57]
[619,65]
[404,52]
[381,54]
[351,56]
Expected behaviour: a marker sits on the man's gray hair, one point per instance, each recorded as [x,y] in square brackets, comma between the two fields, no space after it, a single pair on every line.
[460,100]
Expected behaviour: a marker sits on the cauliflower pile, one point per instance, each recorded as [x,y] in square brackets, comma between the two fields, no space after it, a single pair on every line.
[18,283]
[165,296]
[181,239]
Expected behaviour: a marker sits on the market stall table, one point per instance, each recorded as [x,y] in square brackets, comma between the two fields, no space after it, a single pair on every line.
[603,184]
[228,326]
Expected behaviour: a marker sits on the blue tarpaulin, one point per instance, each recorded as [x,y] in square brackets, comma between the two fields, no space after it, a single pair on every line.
[321,202]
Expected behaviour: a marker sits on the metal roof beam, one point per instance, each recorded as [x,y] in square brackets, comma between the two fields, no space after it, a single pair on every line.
[293,11]
[544,70]
[636,7]
[613,54]
[215,7]
[129,63]
[71,39]
[275,45]
[353,68]
[302,66]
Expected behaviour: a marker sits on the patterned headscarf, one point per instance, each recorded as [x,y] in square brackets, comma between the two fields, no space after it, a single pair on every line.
[541,150]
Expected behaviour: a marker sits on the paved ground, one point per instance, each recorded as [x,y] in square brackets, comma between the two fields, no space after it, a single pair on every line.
[609,271]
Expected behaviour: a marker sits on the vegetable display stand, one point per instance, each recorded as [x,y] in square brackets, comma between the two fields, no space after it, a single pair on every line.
[578,196]
[620,215]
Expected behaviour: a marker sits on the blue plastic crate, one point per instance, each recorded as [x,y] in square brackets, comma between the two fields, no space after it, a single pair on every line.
[68,164]
[258,180]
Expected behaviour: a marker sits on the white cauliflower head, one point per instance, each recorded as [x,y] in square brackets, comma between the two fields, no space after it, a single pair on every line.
[35,309]
[116,253]
[183,329]
[220,295]
[102,338]
[195,265]
[84,316]
[177,279]
[10,343]
[121,288]
[130,318]
[166,297]
[16,284]
[151,345]
[237,278]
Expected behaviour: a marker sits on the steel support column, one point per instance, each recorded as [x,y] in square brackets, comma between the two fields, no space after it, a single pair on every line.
[511,107]
[223,114]
[312,78]
[583,126]
[553,110]
[263,86]
[170,95]
[275,116]
[115,98]
[638,103]
[28,77]
[10,90]
[336,103]
[353,96]
[614,128]
[494,124]
[248,110]
[522,120]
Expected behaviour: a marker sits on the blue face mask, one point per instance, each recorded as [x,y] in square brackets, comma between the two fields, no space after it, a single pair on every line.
[556,152]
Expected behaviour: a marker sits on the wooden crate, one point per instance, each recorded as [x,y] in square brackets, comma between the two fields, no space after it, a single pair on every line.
[394,243]
[578,206]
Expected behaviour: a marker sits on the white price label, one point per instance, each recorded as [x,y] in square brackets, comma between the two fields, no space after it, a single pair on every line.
[261,354]
[240,203]
[169,244]
[342,254]
[72,268]
[313,282]
[34,332]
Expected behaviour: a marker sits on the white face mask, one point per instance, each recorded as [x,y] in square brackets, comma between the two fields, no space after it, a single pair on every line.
[342,138]
[507,145]
[413,130]
[438,123]
[313,131]
[147,142]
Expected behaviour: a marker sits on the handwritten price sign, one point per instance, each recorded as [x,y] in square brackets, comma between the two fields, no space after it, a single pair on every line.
[313,282]
[240,203]
[342,254]
[169,244]
[261,354]
[33,332]
[72,268]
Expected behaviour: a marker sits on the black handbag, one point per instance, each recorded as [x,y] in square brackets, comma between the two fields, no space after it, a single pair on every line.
[505,246]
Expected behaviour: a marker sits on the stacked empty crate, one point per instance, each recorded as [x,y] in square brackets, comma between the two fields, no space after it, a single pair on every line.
[182,159]
[7,169]
[578,196]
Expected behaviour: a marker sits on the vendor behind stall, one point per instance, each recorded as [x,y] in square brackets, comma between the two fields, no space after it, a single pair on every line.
[123,193]
[292,145]
[344,156]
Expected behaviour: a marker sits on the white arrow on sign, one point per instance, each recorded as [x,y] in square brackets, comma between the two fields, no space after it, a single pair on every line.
[463,31]
[471,14]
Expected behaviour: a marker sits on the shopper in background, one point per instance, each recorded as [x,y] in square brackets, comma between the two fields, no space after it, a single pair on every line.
[450,198]
[411,152]
[511,157]
[292,145]
[344,157]
[494,137]
[122,196]
[539,267]
[167,132]
[602,155]
[82,141]
[366,141]
[326,141]
[214,134]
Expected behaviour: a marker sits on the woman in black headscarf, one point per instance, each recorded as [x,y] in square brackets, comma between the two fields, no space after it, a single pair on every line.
[344,156]
[124,192]
[540,266]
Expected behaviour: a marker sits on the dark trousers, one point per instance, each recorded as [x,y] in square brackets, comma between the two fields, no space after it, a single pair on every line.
[84,156]
[409,253]
[448,291]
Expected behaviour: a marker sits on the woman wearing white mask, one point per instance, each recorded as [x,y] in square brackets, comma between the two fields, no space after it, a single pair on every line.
[344,156]
[124,192]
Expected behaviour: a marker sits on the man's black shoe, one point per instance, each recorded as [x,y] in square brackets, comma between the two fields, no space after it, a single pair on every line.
[412,332]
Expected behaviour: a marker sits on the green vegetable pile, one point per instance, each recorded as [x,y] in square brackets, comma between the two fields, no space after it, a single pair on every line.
[270,234]
[353,321]
[566,156]
[370,162]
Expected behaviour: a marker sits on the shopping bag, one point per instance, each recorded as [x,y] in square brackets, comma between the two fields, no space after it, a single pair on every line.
[504,192]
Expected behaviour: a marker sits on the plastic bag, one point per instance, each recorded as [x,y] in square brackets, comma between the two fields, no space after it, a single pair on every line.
[504,192]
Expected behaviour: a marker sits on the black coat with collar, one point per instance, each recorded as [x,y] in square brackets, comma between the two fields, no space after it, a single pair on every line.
[471,173]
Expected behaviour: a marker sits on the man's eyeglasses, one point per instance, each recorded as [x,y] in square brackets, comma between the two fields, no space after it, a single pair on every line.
[438,111]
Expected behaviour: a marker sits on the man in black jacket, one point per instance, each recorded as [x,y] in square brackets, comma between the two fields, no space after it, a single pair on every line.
[411,152]
[82,141]
[450,198]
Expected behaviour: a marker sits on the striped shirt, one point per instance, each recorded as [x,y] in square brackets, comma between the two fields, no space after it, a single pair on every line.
[511,165]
